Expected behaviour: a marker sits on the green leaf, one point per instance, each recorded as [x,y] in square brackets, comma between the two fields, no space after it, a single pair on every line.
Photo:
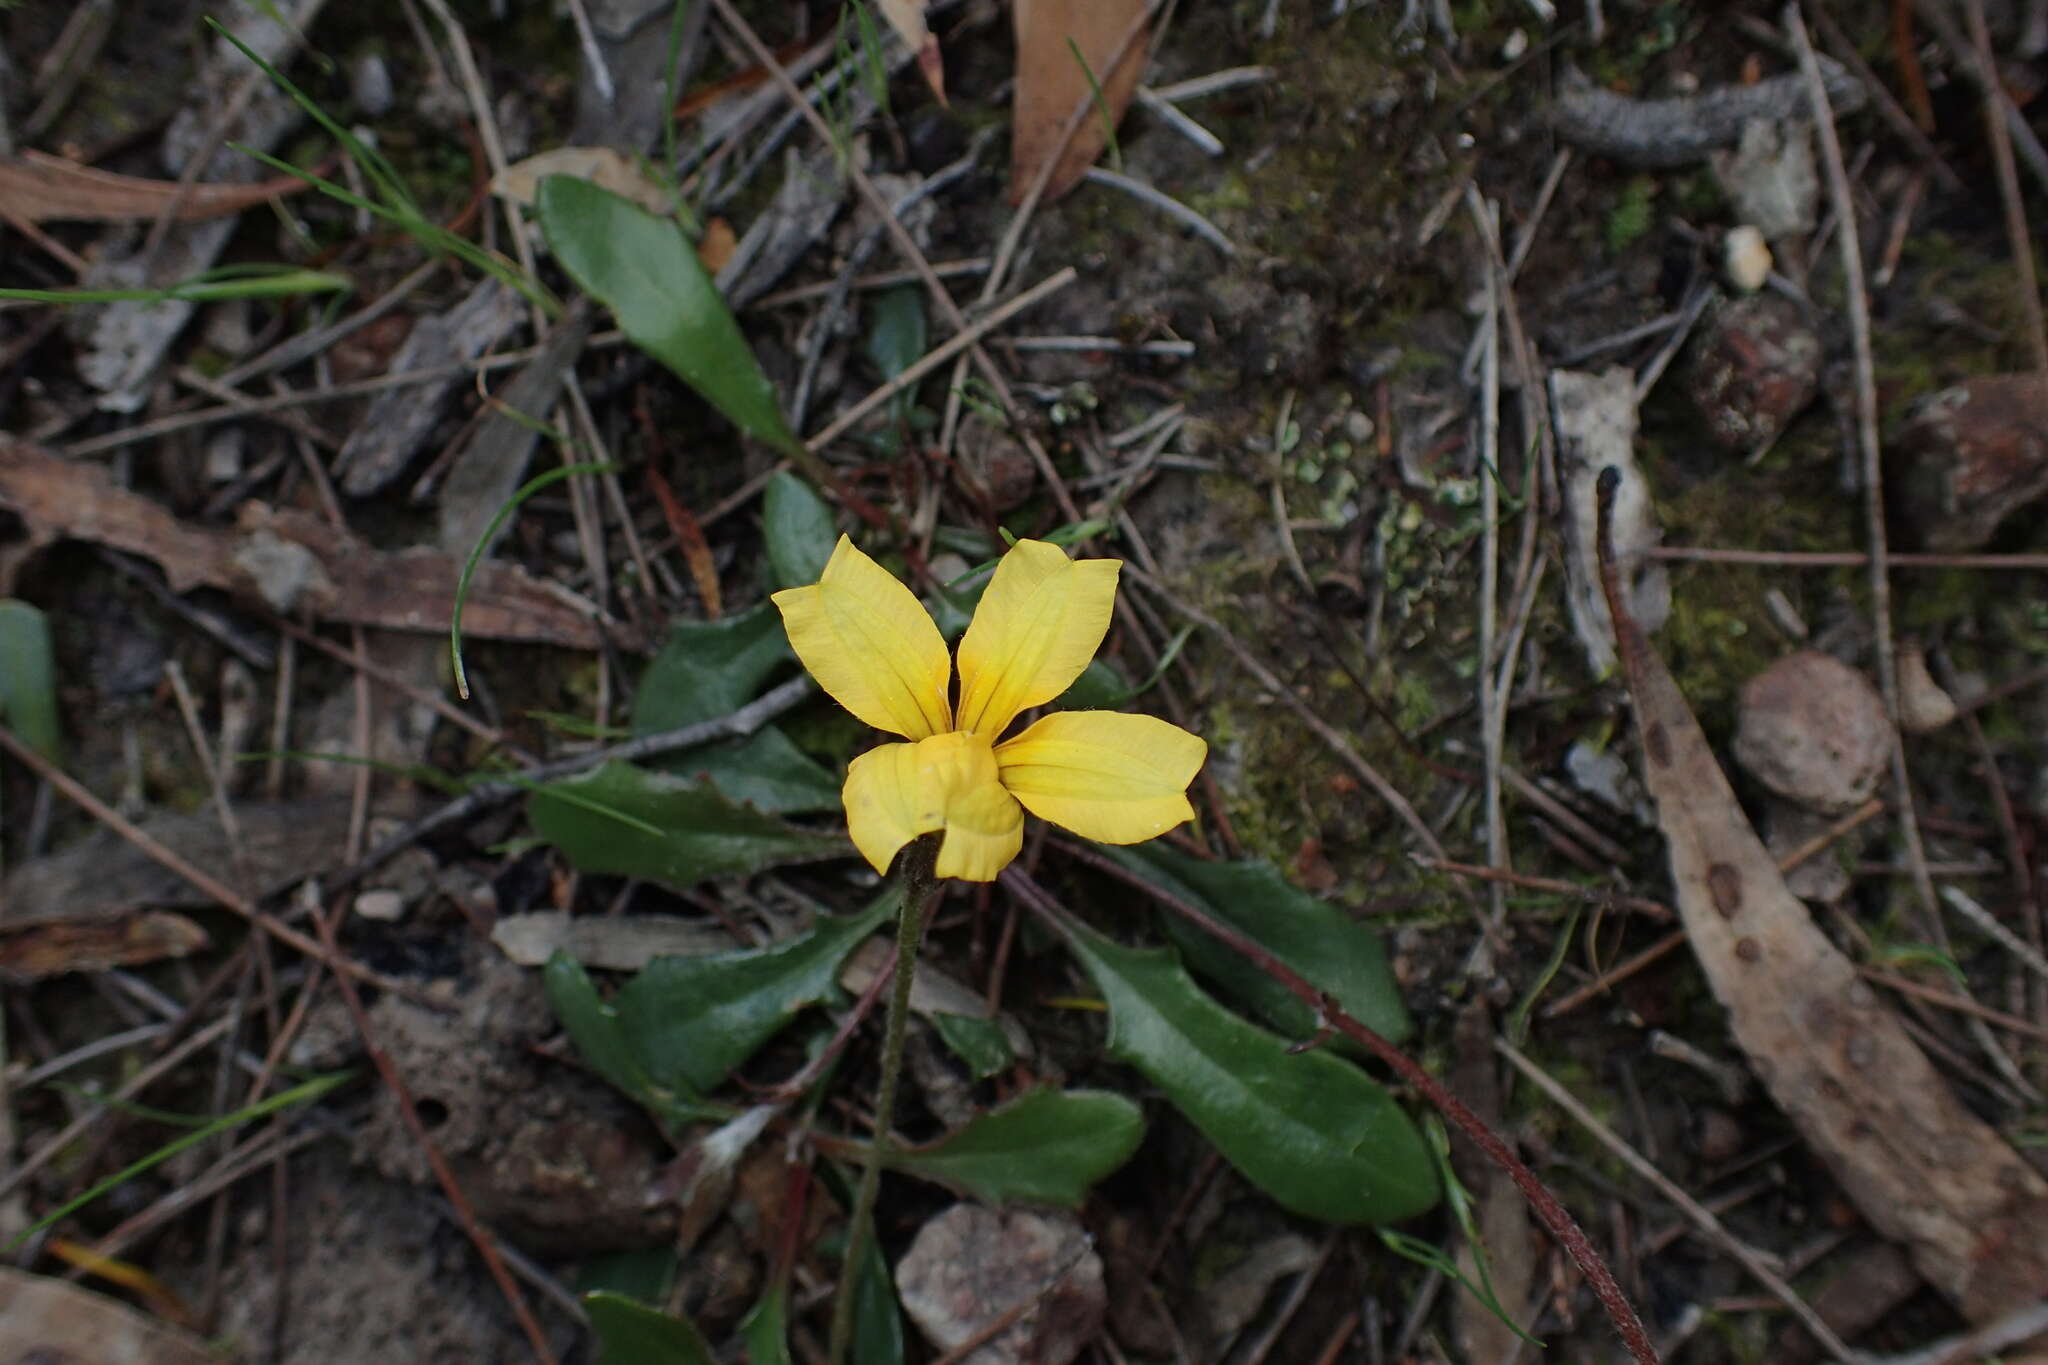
[1044,1147]
[1310,1129]
[643,269]
[798,528]
[593,1026]
[690,1020]
[765,1328]
[978,1042]
[1315,938]
[897,337]
[766,771]
[706,669]
[631,1333]
[877,1323]
[1099,688]
[645,1274]
[28,679]
[631,822]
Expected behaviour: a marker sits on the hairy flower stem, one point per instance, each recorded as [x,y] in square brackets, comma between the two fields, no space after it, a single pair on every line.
[920,892]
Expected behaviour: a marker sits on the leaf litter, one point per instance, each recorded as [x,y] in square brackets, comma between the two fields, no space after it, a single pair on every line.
[1319,177]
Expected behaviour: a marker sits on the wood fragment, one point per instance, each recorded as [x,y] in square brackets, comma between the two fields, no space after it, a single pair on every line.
[1682,129]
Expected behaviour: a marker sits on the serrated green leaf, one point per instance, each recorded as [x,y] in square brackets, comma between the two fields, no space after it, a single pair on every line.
[631,1333]
[646,272]
[980,1043]
[690,1020]
[706,669]
[28,679]
[1308,1128]
[797,524]
[631,822]
[1044,1147]
[1315,938]
[593,1025]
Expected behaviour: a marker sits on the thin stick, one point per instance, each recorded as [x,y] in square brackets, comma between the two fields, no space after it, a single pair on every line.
[2016,232]
[1492,713]
[921,889]
[215,890]
[1851,251]
[1845,559]
[1749,1258]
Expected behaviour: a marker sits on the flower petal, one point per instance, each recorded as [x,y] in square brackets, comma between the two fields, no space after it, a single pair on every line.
[947,782]
[1040,622]
[869,644]
[1104,775]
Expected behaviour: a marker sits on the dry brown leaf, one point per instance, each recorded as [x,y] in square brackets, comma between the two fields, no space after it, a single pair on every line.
[604,167]
[1920,1167]
[54,949]
[716,247]
[907,18]
[286,560]
[1051,81]
[40,188]
[46,1319]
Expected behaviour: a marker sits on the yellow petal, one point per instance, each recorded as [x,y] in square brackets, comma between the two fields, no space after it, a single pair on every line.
[1040,622]
[869,644]
[1107,776]
[946,782]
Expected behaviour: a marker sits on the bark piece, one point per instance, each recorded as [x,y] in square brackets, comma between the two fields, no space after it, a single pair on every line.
[1684,128]
[1596,429]
[1756,368]
[1972,455]
[284,559]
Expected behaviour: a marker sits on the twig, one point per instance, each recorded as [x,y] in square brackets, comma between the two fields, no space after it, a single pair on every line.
[1845,559]
[1166,204]
[1592,895]
[1851,250]
[2029,147]
[736,724]
[166,858]
[2022,241]
[1552,1214]
[1492,711]
[1750,1259]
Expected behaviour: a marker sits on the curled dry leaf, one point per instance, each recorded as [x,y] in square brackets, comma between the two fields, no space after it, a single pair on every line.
[1052,79]
[605,167]
[39,188]
[1920,1167]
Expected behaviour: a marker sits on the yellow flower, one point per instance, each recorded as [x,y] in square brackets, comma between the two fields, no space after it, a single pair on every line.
[1108,776]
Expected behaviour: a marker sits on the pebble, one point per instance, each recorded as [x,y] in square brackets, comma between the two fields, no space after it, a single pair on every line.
[1814,731]
[1970,456]
[1745,259]
[1754,370]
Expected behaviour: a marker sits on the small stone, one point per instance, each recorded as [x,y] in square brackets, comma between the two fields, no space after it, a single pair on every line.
[381,904]
[369,84]
[1923,705]
[1755,369]
[970,1266]
[1820,879]
[1745,259]
[1814,731]
[1972,455]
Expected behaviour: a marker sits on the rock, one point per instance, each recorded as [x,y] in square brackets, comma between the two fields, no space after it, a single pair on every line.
[1814,731]
[1755,369]
[1745,259]
[1970,456]
[1820,879]
[971,1265]
[1770,177]
[1923,705]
